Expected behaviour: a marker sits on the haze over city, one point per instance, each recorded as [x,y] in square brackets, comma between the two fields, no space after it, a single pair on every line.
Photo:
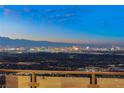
[80,24]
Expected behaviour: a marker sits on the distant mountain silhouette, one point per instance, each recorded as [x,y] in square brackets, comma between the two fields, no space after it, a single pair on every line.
[5,41]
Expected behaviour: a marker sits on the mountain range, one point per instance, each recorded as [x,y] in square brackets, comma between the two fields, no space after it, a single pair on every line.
[5,41]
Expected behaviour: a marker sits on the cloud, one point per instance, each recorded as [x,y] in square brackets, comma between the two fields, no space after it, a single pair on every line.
[70,15]
[62,16]
[27,10]
[1,6]
[63,20]
[48,10]
[7,11]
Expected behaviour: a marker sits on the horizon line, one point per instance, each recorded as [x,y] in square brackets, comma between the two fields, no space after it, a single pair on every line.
[70,41]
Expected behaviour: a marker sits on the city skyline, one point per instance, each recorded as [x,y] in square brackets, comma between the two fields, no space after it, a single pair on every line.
[80,24]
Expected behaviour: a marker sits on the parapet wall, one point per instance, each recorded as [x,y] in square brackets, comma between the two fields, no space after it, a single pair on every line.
[62,82]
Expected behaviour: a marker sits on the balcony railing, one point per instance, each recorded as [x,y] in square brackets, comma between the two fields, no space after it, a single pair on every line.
[64,79]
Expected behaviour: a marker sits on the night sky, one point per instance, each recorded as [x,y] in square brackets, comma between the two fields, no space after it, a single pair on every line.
[81,24]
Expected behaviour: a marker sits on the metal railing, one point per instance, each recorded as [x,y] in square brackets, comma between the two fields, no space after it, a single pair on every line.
[93,82]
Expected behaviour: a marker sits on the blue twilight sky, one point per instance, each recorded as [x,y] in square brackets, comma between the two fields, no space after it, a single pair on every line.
[80,24]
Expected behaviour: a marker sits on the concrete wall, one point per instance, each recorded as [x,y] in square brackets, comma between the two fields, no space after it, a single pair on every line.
[23,81]
[111,82]
[62,82]
[11,81]
[49,82]
[71,82]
